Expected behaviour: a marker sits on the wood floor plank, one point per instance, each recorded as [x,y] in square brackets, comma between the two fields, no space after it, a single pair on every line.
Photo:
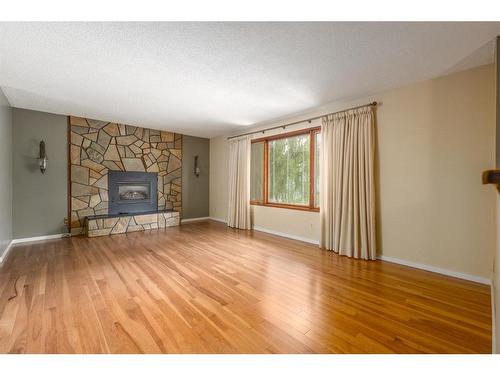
[205,288]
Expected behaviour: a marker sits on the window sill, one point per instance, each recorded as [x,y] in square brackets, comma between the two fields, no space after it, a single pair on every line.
[287,206]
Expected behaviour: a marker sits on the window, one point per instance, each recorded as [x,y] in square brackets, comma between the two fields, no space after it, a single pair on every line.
[257,168]
[284,170]
[289,170]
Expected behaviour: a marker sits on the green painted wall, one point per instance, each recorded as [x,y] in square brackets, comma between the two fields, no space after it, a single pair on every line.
[5,173]
[195,189]
[39,200]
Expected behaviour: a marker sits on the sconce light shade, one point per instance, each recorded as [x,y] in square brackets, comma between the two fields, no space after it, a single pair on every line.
[42,158]
[196,167]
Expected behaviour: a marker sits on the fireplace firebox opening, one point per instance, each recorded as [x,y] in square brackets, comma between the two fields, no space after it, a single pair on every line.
[132,192]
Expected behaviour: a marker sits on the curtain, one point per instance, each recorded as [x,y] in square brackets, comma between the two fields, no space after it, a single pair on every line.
[239,183]
[347,198]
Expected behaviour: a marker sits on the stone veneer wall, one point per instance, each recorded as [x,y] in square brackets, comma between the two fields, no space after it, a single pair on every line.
[99,146]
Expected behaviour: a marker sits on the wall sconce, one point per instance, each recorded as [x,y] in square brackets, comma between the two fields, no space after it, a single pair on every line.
[42,159]
[492,177]
[196,167]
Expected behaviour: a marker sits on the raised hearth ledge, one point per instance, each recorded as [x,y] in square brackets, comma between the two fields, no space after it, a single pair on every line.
[105,225]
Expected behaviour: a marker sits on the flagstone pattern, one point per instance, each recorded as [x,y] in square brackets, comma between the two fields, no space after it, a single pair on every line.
[105,226]
[98,146]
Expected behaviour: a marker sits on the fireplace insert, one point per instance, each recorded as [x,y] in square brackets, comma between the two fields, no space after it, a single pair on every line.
[132,192]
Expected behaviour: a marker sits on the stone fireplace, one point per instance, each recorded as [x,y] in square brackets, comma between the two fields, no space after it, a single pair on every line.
[100,150]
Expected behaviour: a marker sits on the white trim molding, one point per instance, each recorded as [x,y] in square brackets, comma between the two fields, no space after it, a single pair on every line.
[6,252]
[217,219]
[195,219]
[269,231]
[286,235]
[443,271]
[29,239]
[40,238]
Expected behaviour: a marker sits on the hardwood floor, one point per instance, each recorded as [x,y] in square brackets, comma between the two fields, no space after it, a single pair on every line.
[204,288]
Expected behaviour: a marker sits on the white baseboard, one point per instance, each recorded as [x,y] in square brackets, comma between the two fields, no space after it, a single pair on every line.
[443,271]
[217,219]
[194,219]
[6,252]
[281,234]
[30,239]
[40,238]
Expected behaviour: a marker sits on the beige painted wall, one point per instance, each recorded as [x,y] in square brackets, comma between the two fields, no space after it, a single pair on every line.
[218,179]
[434,140]
[495,287]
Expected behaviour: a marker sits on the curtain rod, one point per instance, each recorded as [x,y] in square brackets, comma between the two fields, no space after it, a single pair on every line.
[372,104]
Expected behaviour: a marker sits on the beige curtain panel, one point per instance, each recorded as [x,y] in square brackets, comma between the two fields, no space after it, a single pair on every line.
[239,183]
[347,198]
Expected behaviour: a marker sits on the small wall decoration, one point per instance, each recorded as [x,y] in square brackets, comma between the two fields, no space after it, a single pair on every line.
[42,158]
[196,167]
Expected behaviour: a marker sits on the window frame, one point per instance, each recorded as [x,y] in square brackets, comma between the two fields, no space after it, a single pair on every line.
[312,173]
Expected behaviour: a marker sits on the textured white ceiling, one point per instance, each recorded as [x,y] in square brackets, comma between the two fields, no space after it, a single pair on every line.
[207,79]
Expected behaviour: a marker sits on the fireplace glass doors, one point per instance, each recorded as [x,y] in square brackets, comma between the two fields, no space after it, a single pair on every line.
[132,192]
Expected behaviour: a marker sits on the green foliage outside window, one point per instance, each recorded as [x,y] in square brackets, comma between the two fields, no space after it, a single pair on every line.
[289,170]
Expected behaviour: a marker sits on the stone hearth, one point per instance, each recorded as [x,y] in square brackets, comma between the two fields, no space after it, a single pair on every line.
[104,225]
